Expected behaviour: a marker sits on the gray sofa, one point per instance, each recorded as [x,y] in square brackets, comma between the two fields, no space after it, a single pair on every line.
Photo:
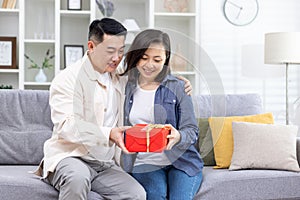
[222,184]
[25,124]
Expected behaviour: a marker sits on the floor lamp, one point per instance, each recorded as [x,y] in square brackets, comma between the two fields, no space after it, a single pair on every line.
[283,48]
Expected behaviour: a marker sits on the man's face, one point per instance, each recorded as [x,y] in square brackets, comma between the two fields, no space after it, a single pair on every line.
[106,56]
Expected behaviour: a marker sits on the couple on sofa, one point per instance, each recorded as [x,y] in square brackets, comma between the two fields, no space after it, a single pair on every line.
[86,101]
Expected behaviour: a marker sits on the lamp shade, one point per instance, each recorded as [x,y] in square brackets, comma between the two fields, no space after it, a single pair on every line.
[282,47]
[131,25]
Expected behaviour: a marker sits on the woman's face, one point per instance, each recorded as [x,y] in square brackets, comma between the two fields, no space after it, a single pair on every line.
[151,63]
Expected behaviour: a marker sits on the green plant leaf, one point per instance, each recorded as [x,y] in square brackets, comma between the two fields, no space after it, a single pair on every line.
[46,63]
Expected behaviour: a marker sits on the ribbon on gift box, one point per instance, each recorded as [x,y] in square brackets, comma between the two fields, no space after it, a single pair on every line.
[148,129]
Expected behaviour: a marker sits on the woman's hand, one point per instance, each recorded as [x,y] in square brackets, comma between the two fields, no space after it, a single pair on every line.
[174,137]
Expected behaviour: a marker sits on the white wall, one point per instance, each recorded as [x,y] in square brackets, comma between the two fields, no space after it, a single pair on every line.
[223,42]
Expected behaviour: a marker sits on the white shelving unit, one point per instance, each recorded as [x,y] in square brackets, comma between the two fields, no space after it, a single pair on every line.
[182,25]
[40,25]
[72,27]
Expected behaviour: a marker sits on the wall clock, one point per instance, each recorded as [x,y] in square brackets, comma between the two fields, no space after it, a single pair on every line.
[240,12]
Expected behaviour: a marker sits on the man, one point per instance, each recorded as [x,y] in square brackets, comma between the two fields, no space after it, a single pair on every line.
[86,101]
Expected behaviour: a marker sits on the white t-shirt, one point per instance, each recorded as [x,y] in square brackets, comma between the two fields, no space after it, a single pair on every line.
[142,112]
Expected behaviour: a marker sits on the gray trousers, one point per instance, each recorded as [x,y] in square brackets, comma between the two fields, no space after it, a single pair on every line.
[74,178]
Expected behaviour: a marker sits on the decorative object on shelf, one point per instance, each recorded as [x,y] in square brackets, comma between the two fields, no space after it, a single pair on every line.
[132,28]
[72,53]
[74,4]
[39,29]
[8,52]
[46,63]
[176,5]
[38,36]
[283,48]
[240,12]
[10,4]
[41,77]
[178,62]
[6,86]
[106,7]
[50,36]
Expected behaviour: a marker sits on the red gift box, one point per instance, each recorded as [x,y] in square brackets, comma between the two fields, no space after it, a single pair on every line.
[146,138]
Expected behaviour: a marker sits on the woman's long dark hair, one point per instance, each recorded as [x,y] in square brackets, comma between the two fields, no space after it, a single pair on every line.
[139,46]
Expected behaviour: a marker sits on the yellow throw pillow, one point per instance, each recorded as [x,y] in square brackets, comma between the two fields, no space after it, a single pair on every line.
[221,128]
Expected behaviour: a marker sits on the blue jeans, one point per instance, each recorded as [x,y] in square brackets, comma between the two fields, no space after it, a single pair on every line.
[167,182]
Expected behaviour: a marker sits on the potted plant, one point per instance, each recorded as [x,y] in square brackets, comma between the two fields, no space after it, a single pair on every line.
[41,77]
[6,86]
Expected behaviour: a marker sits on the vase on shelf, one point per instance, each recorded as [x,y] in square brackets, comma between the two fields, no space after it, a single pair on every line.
[178,61]
[176,5]
[41,76]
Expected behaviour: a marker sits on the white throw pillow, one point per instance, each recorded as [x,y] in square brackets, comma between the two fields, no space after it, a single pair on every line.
[264,146]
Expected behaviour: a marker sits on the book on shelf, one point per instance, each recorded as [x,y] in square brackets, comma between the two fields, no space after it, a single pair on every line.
[9,4]
[4,3]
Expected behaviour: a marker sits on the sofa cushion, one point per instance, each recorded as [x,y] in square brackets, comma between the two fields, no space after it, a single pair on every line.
[25,124]
[205,143]
[248,184]
[221,105]
[265,146]
[221,128]
[17,183]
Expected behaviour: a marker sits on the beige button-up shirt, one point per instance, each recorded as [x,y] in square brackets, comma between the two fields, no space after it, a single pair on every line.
[78,102]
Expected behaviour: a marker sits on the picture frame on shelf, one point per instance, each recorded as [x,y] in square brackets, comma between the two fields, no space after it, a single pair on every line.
[74,4]
[8,52]
[72,53]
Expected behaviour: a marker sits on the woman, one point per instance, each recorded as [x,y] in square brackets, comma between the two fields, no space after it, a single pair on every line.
[154,96]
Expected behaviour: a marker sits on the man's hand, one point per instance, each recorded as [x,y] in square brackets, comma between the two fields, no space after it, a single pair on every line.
[116,135]
[174,137]
[187,86]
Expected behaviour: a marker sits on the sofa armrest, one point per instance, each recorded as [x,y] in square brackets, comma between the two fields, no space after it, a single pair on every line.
[298,149]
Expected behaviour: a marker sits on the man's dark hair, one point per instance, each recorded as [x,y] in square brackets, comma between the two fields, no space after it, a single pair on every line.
[105,26]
